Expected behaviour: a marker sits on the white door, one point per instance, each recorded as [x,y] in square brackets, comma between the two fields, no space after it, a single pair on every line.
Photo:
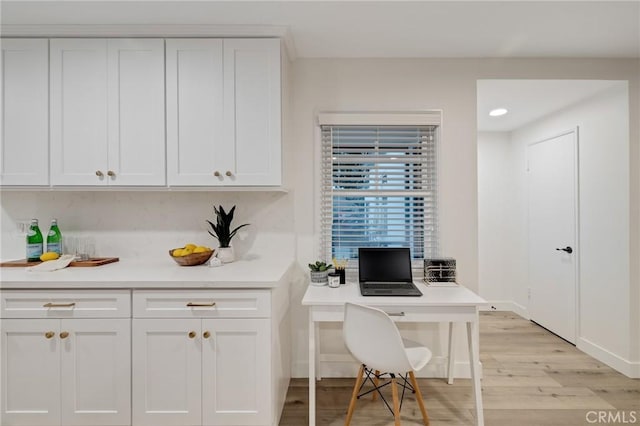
[552,171]
[194,112]
[24,103]
[236,369]
[167,382]
[136,112]
[96,372]
[78,72]
[252,111]
[30,372]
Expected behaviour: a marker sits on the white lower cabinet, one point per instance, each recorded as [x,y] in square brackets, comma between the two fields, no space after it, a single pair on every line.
[201,371]
[69,372]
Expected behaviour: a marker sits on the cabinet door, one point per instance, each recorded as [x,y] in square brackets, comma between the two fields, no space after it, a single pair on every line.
[136,112]
[78,111]
[96,372]
[252,111]
[167,383]
[30,372]
[194,112]
[24,94]
[236,369]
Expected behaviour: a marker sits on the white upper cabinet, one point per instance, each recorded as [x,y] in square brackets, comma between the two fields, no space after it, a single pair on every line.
[223,112]
[107,112]
[194,111]
[252,111]
[24,110]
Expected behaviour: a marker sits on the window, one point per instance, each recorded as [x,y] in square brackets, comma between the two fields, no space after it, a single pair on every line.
[379,185]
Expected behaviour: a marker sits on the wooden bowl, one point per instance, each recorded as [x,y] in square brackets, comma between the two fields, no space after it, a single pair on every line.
[192,259]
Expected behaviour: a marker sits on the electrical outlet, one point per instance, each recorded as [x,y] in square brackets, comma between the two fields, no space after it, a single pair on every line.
[22,226]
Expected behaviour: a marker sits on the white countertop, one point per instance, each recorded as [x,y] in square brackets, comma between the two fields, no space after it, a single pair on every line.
[252,271]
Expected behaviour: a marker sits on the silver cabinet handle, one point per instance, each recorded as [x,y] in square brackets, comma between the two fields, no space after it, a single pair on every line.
[216,173]
[111,173]
[395,314]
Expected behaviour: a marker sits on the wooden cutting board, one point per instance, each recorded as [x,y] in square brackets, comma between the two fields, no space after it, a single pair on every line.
[95,261]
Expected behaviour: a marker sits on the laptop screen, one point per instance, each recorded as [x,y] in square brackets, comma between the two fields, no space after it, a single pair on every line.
[389,264]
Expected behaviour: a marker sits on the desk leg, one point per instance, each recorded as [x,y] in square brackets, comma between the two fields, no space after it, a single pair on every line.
[474,361]
[452,358]
[317,353]
[312,371]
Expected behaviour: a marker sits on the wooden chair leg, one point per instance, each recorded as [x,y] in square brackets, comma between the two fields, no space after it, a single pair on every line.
[376,382]
[396,403]
[414,383]
[354,395]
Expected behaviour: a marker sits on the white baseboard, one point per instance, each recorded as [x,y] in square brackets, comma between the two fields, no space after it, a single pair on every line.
[628,368]
[506,305]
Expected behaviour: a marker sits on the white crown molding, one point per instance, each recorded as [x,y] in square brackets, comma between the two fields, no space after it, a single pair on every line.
[155,30]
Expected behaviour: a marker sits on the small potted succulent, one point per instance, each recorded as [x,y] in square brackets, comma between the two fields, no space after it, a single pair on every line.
[223,233]
[319,273]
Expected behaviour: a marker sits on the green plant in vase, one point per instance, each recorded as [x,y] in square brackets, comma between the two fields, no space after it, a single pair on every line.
[319,272]
[221,231]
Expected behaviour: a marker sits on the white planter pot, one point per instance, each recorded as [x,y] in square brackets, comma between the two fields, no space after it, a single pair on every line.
[225,254]
[319,278]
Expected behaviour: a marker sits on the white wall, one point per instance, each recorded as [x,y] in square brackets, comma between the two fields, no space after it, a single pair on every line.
[498,270]
[450,85]
[604,311]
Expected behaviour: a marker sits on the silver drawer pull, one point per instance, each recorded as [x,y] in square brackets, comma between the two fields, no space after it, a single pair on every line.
[395,314]
[59,305]
[191,304]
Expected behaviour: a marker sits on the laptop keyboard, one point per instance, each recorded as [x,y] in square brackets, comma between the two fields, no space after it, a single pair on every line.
[389,286]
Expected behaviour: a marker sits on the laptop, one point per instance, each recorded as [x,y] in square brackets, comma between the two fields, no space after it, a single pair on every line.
[386,271]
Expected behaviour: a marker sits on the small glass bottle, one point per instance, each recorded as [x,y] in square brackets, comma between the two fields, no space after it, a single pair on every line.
[54,238]
[34,242]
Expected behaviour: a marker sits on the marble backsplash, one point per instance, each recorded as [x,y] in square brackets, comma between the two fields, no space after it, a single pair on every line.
[147,224]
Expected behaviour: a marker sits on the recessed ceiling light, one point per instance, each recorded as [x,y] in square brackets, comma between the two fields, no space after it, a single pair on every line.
[498,112]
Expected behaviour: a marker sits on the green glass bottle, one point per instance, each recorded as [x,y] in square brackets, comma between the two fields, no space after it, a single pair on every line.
[54,238]
[34,241]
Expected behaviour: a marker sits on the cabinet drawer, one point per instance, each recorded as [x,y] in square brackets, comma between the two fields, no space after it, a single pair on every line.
[65,304]
[201,304]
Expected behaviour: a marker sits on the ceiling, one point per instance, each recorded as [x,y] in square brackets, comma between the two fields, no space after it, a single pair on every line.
[379,29]
[530,100]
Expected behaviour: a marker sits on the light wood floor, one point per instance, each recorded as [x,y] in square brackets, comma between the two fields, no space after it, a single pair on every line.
[531,378]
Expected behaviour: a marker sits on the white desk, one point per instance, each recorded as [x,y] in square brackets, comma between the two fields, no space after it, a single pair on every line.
[438,304]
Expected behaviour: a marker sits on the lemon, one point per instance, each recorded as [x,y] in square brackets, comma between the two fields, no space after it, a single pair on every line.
[177,253]
[190,246]
[49,256]
[201,249]
[186,251]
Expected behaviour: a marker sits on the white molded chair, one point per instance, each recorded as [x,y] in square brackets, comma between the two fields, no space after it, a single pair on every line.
[374,340]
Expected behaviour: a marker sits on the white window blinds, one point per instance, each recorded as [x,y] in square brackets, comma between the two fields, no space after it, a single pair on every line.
[379,189]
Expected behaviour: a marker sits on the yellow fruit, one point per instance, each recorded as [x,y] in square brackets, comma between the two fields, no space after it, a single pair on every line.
[200,249]
[190,246]
[177,253]
[49,256]
[186,251]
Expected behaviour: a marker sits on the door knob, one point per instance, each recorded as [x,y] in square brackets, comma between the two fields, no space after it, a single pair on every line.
[64,334]
[206,334]
[567,249]
[216,173]
[192,334]
[229,173]
[49,334]
[111,173]
[99,173]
